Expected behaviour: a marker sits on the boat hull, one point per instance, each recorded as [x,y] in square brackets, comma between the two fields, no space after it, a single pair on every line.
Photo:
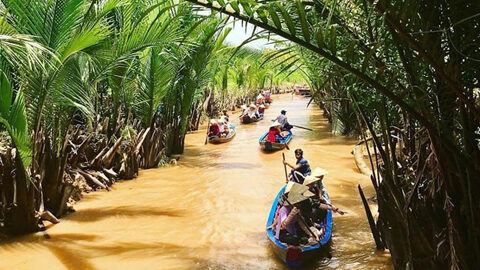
[297,256]
[248,120]
[229,137]
[269,146]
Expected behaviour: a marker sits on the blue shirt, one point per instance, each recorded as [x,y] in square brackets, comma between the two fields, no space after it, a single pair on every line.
[304,167]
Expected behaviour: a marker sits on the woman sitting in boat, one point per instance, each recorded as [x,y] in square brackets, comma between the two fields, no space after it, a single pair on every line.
[214,129]
[225,115]
[244,110]
[288,217]
[260,99]
[252,111]
[261,109]
[223,128]
[319,204]
[274,133]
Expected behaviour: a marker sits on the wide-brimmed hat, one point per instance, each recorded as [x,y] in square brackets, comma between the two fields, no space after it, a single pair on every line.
[275,124]
[262,106]
[319,172]
[213,121]
[296,193]
[252,106]
[243,106]
[310,180]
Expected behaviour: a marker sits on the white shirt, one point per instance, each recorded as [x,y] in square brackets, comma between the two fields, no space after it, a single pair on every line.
[282,119]
[251,113]
[221,127]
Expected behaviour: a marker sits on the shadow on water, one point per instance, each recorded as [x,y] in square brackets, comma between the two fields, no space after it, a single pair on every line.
[95,214]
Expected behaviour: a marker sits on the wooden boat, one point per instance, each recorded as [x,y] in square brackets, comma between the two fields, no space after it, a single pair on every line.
[229,137]
[247,120]
[269,146]
[296,256]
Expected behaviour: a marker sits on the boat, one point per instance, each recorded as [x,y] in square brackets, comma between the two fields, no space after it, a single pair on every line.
[296,256]
[247,120]
[269,146]
[229,137]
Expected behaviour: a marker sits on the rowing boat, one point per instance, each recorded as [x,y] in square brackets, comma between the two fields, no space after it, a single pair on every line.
[247,120]
[269,146]
[296,256]
[229,137]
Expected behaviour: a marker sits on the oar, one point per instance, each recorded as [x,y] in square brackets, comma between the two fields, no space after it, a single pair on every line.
[299,215]
[309,129]
[208,129]
[285,168]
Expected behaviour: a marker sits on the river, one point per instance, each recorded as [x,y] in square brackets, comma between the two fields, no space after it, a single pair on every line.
[209,211]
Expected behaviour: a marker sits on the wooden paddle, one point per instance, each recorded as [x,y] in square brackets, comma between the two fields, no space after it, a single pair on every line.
[299,215]
[285,168]
[208,129]
[309,129]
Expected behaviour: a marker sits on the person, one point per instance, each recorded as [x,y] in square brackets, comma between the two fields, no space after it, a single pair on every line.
[222,127]
[245,110]
[273,132]
[214,129]
[282,118]
[288,215]
[267,96]
[225,115]
[301,168]
[260,99]
[261,109]
[318,203]
[252,111]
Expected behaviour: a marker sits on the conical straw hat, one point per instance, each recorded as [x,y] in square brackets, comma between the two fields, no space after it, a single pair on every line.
[297,193]
[310,180]
[319,172]
[275,124]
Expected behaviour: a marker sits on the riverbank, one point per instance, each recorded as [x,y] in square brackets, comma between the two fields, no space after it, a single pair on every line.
[208,212]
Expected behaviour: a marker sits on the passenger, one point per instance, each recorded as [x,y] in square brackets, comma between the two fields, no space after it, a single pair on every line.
[287,217]
[252,111]
[214,129]
[223,128]
[261,109]
[225,115]
[260,99]
[283,120]
[319,204]
[301,168]
[245,110]
[273,132]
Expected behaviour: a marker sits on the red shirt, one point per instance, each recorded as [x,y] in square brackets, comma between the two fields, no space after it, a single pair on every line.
[271,135]
[214,130]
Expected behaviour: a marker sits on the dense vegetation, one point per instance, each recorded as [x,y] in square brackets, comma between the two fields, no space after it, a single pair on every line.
[91,91]
[407,74]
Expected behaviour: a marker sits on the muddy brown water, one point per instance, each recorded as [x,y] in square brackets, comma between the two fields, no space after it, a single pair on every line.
[209,212]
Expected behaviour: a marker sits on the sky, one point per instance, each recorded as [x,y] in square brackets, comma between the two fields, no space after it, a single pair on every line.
[238,35]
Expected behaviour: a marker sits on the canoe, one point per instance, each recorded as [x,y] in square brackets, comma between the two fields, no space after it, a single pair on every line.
[247,120]
[296,256]
[229,137]
[269,146]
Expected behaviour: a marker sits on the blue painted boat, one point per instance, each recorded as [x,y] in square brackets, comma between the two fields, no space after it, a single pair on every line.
[269,146]
[296,256]
[229,137]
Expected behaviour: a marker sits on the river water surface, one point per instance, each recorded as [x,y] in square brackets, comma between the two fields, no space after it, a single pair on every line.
[209,212]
